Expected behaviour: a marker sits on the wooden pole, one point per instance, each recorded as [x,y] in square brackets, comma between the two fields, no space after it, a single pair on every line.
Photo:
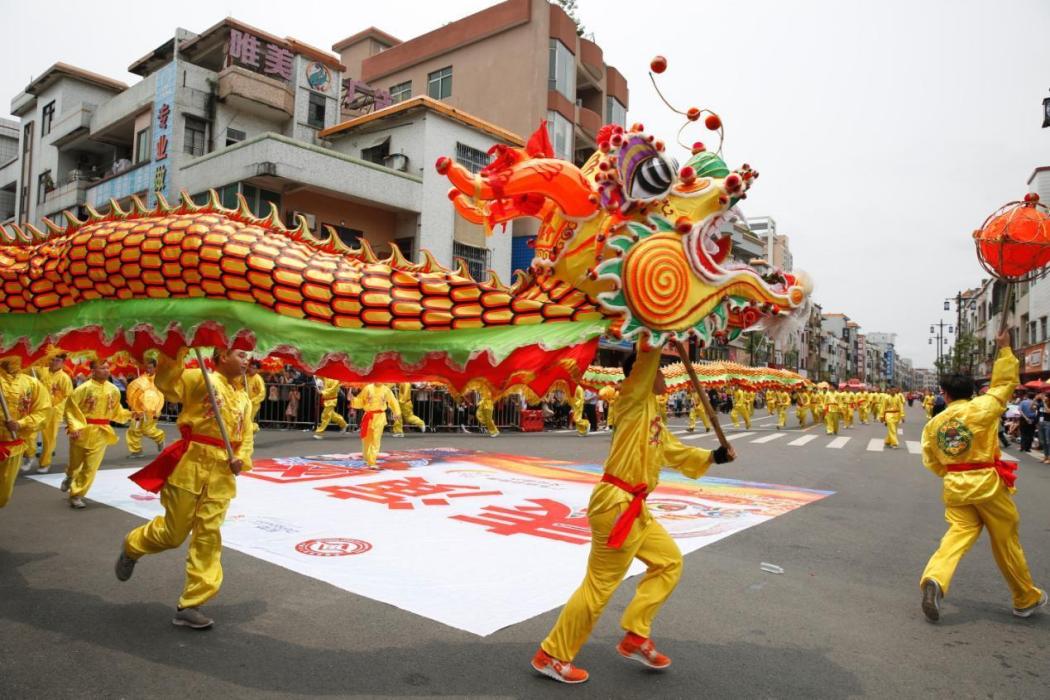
[702,392]
[215,405]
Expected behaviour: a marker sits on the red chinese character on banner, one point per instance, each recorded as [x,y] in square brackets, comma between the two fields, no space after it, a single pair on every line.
[547,518]
[290,470]
[162,147]
[244,47]
[398,494]
[278,61]
[162,116]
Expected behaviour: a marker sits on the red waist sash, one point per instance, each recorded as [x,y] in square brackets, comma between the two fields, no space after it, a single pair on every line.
[1007,470]
[622,527]
[5,448]
[367,421]
[154,475]
[98,421]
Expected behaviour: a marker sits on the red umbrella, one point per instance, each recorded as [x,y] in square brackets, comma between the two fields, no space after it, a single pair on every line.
[1037,384]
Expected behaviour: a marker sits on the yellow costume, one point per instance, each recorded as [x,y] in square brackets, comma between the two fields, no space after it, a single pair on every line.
[144,399]
[741,409]
[802,407]
[661,407]
[89,411]
[864,407]
[60,386]
[927,405]
[329,397]
[696,410]
[831,413]
[407,415]
[198,492]
[847,405]
[43,375]
[484,413]
[640,447]
[28,402]
[256,388]
[892,413]
[374,399]
[783,403]
[818,405]
[583,425]
[966,433]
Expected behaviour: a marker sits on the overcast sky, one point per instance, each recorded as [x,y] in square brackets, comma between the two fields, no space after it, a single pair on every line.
[884,131]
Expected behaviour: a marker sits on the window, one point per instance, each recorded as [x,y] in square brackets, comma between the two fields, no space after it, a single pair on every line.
[350,236]
[439,83]
[1042,328]
[315,112]
[561,71]
[142,145]
[615,113]
[377,151]
[477,259]
[472,159]
[560,131]
[47,117]
[44,184]
[234,136]
[401,91]
[193,141]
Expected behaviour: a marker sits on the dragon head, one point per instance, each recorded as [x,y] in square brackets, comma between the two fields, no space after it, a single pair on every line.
[639,235]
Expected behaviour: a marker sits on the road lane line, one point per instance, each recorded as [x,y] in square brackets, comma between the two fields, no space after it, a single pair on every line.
[838,443]
[768,438]
[737,436]
[914,447]
[875,445]
[802,440]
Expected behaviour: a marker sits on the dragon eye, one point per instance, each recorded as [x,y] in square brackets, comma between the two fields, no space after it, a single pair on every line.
[652,178]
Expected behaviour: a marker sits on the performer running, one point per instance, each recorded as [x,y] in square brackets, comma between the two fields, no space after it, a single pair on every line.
[27,405]
[831,413]
[802,402]
[256,388]
[60,386]
[783,404]
[329,398]
[622,529]
[484,412]
[407,415]
[696,410]
[89,411]
[30,459]
[145,402]
[961,446]
[892,414]
[374,399]
[583,425]
[741,409]
[609,394]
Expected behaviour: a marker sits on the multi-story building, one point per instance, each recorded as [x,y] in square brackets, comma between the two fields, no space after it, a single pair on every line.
[832,358]
[9,131]
[516,64]
[778,250]
[248,114]
[809,365]
[847,330]
[883,344]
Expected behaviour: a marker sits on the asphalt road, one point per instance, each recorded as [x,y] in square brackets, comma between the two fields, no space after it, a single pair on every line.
[842,621]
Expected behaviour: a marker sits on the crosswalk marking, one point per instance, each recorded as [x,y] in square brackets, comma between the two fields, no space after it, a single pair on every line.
[914,447]
[875,445]
[737,436]
[768,438]
[838,443]
[802,440]
[695,437]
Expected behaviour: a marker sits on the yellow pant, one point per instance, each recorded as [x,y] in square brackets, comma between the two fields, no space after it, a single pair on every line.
[583,426]
[484,416]
[698,412]
[999,515]
[49,435]
[605,569]
[255,412]
[147,427]
[892,419]
[864,415]
[186,512]
[8,474]
[83,465]
[847,417]
[818,414]
[328,415]
[407,417]
[801,413]
[370,442]
[740,415]
[782,416]
[831,422]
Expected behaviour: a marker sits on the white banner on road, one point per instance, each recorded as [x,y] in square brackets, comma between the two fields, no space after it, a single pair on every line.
[474,540]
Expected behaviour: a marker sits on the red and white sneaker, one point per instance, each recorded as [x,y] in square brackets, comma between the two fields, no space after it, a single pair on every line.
[562,671]
[641,649]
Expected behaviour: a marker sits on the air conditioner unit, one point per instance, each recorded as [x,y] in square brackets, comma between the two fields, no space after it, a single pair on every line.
[311,220]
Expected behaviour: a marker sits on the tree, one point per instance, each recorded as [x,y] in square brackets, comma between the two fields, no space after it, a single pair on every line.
[570,9]
[961,357]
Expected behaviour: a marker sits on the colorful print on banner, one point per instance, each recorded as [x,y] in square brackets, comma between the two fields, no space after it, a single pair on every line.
[471,539]
[163,133]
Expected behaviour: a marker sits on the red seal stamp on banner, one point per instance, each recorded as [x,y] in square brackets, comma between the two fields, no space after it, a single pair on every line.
[333,547]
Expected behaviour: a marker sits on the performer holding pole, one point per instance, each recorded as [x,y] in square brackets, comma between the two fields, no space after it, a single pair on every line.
[374,400]
[145,403]
[196,475]
[622,528]
[24,403]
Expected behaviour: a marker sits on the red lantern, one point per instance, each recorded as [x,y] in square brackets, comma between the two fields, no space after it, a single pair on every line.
[1015,240]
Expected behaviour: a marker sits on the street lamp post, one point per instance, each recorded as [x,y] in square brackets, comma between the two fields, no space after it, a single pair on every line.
[937,332]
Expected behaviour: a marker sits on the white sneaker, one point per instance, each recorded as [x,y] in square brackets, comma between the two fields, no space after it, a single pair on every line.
[27,465]
[77,502]
[1027,612]
[43,470]
[65,484]
[318,437]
